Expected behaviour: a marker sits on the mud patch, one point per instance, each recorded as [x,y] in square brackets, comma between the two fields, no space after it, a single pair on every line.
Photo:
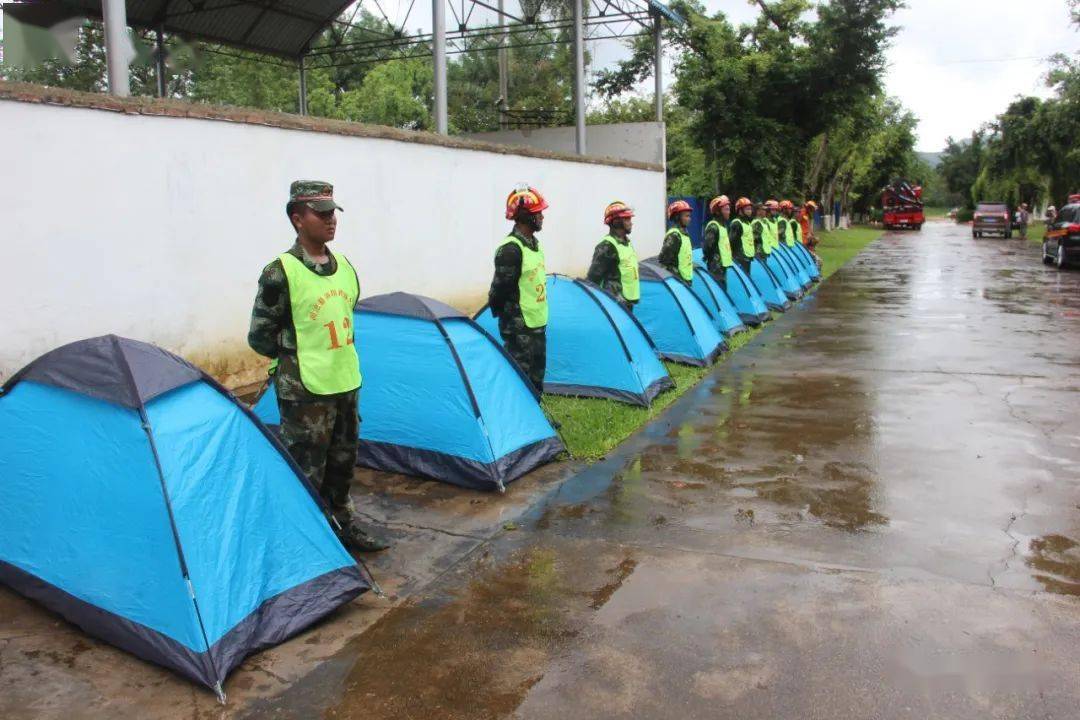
[1055,560]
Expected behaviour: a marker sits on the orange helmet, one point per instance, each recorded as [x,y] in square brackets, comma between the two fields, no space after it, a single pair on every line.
[718,202]
[524,198]
[677,207]
[811,204]
[617,210]
[787,205]
[771,204]
[741,203]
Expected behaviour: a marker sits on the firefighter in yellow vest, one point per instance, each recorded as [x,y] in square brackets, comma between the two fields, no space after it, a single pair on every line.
[518,294]
[716,245]
[302,320]
[614,265]
[741,233]
[677,252]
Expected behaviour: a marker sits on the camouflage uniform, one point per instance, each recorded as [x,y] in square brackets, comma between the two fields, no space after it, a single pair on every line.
[604,271]
[528,346]
[319,431]
[710,249]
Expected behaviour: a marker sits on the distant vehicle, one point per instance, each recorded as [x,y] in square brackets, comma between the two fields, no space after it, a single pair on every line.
[902,205]
[991,217]
[1061,245]
[953,213]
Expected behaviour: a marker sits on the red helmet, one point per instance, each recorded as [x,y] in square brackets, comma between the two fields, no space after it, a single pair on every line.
[1074,198]
[741,203]
[718,202]
[677,207]
[617,210]
[787,205]
[524,198]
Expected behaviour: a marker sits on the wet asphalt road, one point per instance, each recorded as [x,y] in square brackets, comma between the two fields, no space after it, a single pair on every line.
[872,511]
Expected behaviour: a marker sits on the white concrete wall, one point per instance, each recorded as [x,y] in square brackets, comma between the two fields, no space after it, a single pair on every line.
[641,142]
[156,228]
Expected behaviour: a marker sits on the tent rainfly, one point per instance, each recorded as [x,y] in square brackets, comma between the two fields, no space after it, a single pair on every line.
[441,398]
[142,502]
[594,347]
[722,310]
[676,319]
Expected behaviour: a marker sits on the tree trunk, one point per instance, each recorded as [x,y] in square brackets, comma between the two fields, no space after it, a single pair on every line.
[815,169]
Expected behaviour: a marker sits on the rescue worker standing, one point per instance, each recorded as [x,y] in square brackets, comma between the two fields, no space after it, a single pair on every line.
[716,246]
[759,229]
[614,265]
[787,228]
[741,234]
[677,252]
[302,320]
[772,226]
[806,224]
[518,294]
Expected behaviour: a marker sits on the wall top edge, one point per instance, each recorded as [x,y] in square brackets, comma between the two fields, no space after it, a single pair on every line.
[155,107]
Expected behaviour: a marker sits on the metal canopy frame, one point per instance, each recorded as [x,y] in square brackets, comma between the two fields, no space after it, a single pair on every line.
[286,29]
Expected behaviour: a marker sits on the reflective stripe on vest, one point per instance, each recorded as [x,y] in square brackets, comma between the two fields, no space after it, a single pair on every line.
[628,269]
[723,243]
[322,314]
[747,238]
[532,288]
[686,255]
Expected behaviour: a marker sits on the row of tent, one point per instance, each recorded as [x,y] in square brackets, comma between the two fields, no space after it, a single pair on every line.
[146,504]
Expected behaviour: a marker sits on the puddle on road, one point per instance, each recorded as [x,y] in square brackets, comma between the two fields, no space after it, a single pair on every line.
[1055,562]
[474,654]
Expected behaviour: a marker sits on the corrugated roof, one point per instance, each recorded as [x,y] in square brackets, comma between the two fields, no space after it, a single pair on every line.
[276,27]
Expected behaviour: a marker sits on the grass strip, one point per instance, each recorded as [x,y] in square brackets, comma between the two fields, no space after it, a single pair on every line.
[591,427]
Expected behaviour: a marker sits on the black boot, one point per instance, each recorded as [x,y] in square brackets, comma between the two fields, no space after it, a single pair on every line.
[354,535]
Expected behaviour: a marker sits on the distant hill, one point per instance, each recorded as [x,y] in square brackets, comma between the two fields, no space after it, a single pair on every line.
[933,159]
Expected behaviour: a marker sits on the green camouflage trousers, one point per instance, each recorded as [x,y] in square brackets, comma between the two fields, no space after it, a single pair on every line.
[321,435]
[528,347]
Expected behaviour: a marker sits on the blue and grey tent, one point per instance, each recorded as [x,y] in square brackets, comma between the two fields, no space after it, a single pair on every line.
[594,347]
[716,301]
[441,398]
[142,502]
[785,276]
[749,302]
[768,286]
[794,264]
[807,260]
[676,319]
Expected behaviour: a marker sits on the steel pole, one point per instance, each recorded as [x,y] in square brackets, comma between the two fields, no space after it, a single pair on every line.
[579,78]
[117,58]
[438,18]
[159,63]
[504,70]
[658,67]
[303,84]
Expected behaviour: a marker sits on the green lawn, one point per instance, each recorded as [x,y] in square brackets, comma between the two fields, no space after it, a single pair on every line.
[1036,231]
[935,212]
[591,428]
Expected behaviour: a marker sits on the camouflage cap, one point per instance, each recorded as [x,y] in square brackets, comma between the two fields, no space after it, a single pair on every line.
[318,195]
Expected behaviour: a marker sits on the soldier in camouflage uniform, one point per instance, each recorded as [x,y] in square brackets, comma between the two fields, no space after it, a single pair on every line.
[614,265]
[518,296]
[320,423]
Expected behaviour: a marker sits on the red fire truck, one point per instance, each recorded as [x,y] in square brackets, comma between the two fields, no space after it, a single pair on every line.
[902,206]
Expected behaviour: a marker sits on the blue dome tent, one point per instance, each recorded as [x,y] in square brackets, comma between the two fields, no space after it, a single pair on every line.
[744,295]
[807,260]
[677,321]
[723,312]
[768,286]
[441,398]
[146,505]
[594,347]
[784,275]
[794,265]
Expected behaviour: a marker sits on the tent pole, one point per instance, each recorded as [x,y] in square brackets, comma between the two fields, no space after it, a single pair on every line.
[117,57]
